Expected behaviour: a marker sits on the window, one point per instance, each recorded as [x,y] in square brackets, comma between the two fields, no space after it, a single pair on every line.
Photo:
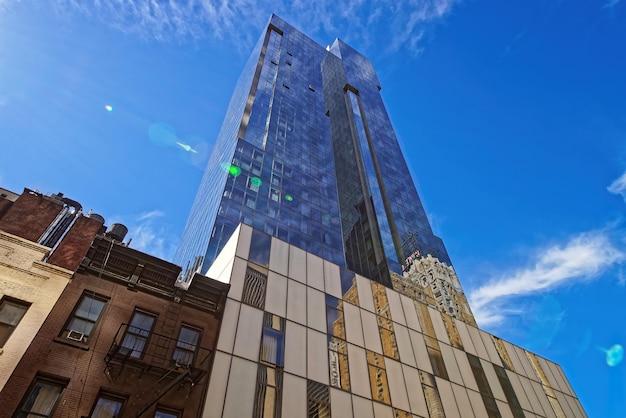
[163,412]
[254,287]
[186,346]
[138,333]
[108,406]
[41,398]
[11,313]
[84,318]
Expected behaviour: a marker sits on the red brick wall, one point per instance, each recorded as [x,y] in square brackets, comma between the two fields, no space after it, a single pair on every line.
[30,215]
[75,244]
[85,367]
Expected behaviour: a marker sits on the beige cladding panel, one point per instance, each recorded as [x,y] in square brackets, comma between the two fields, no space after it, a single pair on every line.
[279,257]
[237,278]
[447,398]
[247,340]
[543,399]
[332,279]
[359,375]
[462,401]
[575,406]
[420,351]
[295,349]
[547,371]
[314,272]
[294,397]
[494,357]
[504,409]
[405,348]
[410,314]
[440,328]
[217,385]
[514,378]
[241,386]
[228,328]
[296,305]
[558,375]
[362,408]
[468,345]
[354,329]
[276,296]
[397,389]
[366,300]
[395,305]
[530,371]
[297,264]
[340,403]
[519,368]
[466,371]
[316,310]
[382,411]
[560,397]
[478,406]
[535,405]
[415,391]
[454,374]
[317,357]
[492,378]
[370,332]
[243,243]
[478,342]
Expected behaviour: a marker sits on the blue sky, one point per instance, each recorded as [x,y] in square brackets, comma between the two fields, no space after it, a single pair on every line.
[512,116]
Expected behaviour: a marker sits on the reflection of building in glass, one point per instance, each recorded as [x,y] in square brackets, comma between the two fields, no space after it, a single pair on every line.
[342,301]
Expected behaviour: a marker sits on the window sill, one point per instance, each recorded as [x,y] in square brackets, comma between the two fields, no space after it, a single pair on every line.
[75,344]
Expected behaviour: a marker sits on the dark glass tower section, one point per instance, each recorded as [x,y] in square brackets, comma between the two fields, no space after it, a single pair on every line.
[307,153]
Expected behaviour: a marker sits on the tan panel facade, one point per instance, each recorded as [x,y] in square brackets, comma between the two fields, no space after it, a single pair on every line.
[372,352]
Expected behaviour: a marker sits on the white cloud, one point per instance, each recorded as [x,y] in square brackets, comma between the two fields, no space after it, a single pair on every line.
[583,257]
[619,186]
[610,4]
[150,235]
[392,24]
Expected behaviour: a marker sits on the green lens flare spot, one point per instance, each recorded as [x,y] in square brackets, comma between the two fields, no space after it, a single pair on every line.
[234,171]
[255,181]
[288,198]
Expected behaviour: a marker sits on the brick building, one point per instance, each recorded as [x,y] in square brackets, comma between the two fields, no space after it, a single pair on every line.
[122,338]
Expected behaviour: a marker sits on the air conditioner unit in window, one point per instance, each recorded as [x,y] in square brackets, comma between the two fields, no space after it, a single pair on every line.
[75,335]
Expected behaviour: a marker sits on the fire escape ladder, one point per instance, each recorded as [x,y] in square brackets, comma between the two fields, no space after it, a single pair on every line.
[163,391]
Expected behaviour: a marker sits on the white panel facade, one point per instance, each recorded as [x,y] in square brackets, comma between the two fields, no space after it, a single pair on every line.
[415,391]
[354,330]
[279,257]
[405,348]
[421,354]
[295,349]
[359,377]
[462,401]
[297,263]
[465,369]
[440,328]
[217,385]
[294,397]
[314,272]
[382,411]
[340,403]
[468,345]
[504,409]
[237,278]
[494,357]
[362,407]
[241,385]
[397,389]
[228,329]
[364,288]
[317,357]
[397,313]
[247,340]
[332,279]
[316,310]
[296,302]
[370,332]
[447,398]
[276,296]
[410,314]
[243,242]
[454,374]
[492,378]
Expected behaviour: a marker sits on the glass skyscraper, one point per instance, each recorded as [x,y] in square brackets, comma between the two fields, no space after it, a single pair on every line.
[307,196]
[307,154]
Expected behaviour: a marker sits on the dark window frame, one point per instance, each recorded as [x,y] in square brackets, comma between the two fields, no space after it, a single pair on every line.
[178,348]
[5,300]
[66,332]
[42,380]
[138,335]
[111,396]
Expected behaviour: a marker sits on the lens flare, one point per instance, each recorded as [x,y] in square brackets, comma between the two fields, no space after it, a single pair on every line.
[614,355]
[255,181]
[234,171]
[108,108]
[162,134]
[288,198]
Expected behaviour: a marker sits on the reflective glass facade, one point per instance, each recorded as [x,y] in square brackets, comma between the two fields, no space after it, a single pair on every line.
[307,154]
